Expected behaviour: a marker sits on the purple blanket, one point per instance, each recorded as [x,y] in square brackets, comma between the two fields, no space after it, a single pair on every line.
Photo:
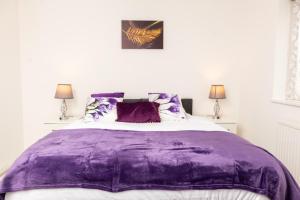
[117,160]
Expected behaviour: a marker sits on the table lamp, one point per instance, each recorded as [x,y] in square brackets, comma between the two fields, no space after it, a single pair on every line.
[217,92]
[64,91]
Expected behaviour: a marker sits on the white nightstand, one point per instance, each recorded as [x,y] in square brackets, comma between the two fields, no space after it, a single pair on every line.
[228,124]
[57,124]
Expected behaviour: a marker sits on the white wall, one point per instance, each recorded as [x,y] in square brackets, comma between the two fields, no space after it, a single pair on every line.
[266,53]
[79,42]
[11,140]
[263,75]
[229,41]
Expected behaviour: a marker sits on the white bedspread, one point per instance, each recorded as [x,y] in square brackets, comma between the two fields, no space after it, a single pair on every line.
[192,123]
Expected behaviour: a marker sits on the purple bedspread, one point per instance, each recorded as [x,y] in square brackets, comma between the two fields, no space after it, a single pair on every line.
[118,160]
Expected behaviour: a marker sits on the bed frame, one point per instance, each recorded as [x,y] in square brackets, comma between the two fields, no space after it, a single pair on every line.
[186,103]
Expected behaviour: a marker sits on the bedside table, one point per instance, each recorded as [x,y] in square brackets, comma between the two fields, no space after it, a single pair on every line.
[56,124]
[228,124]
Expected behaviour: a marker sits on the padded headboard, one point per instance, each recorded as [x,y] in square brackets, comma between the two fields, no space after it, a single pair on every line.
[186,103]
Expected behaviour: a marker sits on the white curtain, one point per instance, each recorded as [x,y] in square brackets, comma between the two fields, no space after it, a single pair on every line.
[293,79]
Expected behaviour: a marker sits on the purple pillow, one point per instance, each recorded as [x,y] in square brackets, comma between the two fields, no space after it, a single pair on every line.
[113,94]
[139,112]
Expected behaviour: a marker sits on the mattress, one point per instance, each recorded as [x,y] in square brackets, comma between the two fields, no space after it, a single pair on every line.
[91,194]
[192,123]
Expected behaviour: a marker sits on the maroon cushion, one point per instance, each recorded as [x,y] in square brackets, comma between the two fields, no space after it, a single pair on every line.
[139,112]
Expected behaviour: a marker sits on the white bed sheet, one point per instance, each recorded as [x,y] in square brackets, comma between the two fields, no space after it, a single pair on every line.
[192,123]
[91,194]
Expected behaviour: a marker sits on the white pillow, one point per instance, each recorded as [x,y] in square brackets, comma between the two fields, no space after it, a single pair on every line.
[170,106]
[102,108]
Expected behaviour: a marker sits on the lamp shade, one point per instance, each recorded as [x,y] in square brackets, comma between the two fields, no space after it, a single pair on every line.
[217,92]
[64,91]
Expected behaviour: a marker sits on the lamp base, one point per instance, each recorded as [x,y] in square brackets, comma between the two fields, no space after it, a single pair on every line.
[214,117]
[217,110]
[64,118]
[63,110]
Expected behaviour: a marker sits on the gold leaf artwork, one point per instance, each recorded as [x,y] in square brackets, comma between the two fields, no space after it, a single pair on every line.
[142,36]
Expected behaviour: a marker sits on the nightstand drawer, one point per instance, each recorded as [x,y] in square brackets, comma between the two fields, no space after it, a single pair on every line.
[56,124]
[230,127]
[48,128]
[53,127]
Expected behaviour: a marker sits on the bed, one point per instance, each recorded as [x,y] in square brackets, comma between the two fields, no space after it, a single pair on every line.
[191,159]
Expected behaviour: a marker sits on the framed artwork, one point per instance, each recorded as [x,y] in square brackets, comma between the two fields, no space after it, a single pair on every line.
[142,34]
